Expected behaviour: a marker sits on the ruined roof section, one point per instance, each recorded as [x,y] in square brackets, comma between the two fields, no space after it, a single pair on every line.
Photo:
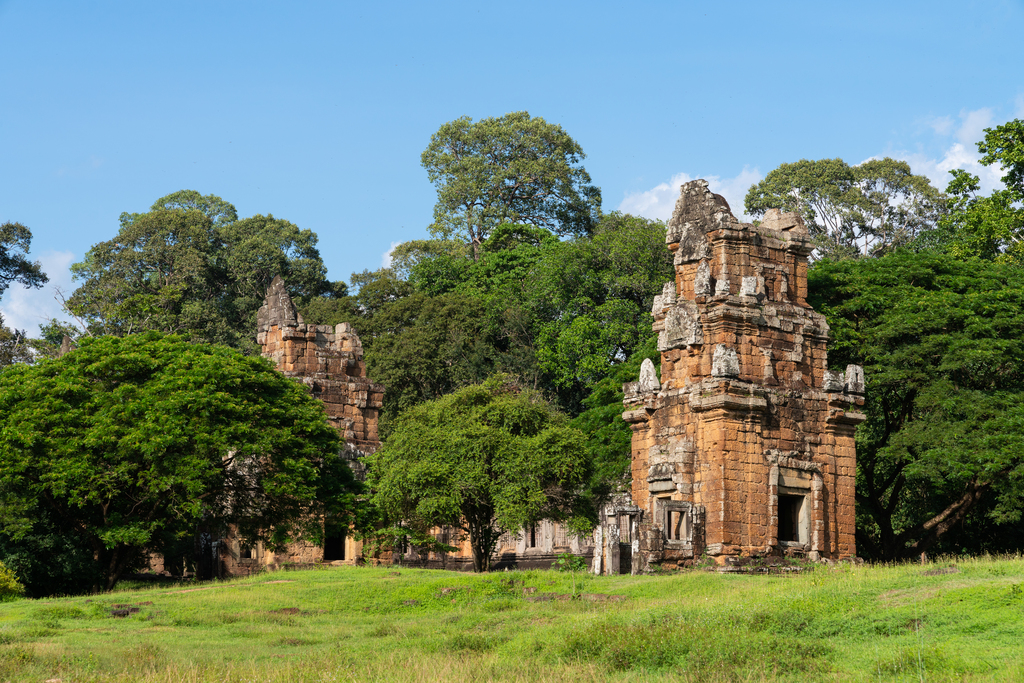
[277,308]
[699,211]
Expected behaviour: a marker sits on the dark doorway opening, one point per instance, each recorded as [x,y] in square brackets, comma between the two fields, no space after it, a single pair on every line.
[790,508]
[334,545]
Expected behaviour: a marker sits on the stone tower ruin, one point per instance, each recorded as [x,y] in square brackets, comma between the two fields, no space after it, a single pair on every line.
[328,359]
[745,446]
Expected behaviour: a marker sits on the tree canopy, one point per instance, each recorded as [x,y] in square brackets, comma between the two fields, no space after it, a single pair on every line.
[508,169]
[15,346]
[190,266]
[864,210]
[127,441]
[989,227]
[486,459]
[15,240]
[943,353]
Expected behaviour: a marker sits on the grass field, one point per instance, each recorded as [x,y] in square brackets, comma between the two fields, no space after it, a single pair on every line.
[942,622]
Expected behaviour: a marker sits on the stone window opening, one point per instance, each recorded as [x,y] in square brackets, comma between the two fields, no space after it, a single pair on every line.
[247,553]
[625,521]
[561,535]
[678,525]
[531,537]
[792,528]
[676,521]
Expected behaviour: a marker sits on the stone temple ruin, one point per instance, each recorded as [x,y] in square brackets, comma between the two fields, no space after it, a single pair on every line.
[329,361]
[745,446]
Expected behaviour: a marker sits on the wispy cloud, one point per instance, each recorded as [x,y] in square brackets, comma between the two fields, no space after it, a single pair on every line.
[957,138]
[26,309]
[659,201]
[385,259]
[80,169]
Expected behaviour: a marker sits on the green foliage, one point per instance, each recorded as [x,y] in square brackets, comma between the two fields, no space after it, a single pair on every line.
[190,266]
[567,562]
[15,240]
[51,559]
[608,436]
[595,296]
[868,209]
[10,587]
[989,227]
[486,459]
[510,169]
[576,308]
[15,346]
[1004,145]
[426,347]
[127,440]
[941,344]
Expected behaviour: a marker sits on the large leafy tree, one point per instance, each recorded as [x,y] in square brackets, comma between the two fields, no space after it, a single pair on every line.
[15,240]
[487,459]
[426,347]
[865,210]
[130,441]
[509,169]
[989,227]
[594,298]
[943,351]
[190,266]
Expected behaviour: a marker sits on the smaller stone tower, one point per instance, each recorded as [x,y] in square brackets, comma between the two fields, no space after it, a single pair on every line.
[329,361]
[745,446]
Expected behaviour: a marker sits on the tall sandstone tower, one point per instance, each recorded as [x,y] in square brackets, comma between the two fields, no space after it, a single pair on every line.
[745,447]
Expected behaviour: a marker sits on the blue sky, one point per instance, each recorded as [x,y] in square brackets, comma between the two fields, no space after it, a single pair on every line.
[318,112]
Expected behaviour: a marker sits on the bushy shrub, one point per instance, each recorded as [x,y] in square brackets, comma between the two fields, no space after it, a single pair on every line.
[10,587]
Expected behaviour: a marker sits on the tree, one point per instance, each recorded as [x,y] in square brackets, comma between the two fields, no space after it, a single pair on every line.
[127,441]
[942,347]
[598,292]
[865,210]
[15,346]
[510,169]
[558,314]
[989,227]
[190,266]
[486,459]
[609,439]
[425,347]
[15,240]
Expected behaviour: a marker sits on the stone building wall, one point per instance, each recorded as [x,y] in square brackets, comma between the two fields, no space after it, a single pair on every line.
[329,361]
[745,446]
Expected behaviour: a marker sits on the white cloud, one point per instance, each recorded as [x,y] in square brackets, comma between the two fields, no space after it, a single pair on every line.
[961,153]
[943,125]
[385,259]
[26,309]
[660,200]
[974,124]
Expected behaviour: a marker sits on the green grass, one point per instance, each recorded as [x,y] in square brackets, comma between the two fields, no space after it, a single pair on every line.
[339,624]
